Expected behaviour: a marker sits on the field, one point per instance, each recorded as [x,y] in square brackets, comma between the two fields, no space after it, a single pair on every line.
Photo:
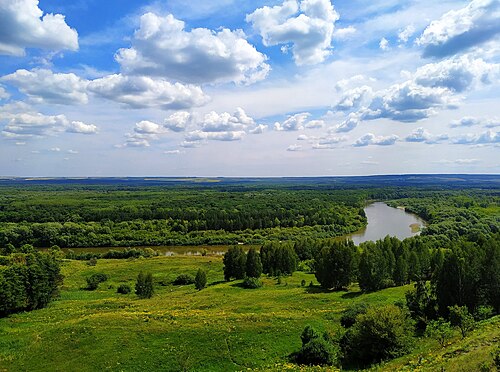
[223,327]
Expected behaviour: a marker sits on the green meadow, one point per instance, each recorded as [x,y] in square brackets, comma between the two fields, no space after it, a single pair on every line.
[220,328]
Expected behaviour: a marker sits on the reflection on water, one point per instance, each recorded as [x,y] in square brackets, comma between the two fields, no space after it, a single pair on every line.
[384,220]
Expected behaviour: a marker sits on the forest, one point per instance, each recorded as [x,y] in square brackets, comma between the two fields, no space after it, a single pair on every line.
[301,295]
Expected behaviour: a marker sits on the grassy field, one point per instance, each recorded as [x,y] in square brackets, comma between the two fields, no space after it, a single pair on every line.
[221,328]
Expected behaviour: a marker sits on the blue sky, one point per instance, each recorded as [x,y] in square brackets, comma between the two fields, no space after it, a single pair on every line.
[249,88]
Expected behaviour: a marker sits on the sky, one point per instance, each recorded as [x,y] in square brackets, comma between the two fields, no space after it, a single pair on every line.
[249,87]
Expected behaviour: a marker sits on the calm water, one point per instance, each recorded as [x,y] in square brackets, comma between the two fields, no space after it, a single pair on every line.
[384,220]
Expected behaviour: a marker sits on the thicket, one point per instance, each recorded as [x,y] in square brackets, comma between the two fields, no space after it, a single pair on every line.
[29,280]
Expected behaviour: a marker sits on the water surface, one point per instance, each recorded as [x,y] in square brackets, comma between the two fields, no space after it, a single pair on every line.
[384,220]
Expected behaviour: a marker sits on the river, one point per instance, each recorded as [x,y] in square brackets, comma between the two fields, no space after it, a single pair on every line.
[382,221]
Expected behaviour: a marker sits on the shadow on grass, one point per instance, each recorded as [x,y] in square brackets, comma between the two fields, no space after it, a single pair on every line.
[349,295]
[317,289]
[216,283]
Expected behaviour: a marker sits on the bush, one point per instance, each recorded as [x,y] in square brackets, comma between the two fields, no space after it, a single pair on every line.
[460,317]
[94,280]
[483,312]
[381,333]
[92,261]
[144,285]
[184,279]
[348,317]
[124,289]
[252,283]
[316,349]
[200,281]
[440,330]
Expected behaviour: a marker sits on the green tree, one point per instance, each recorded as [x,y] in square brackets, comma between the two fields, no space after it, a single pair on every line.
[234,263]
[253,264]
[461,318]
[381,333]
[400,275]
[200,281]
[440,330]
[335,265]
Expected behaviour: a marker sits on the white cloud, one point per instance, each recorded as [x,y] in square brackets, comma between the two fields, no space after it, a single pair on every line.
[422,135]
[80,127]
[351,122]
[371,139]
[353,98]
[23,25]
[302,137]
[307,25]
[384,44]
[461,29]
[293,122]
[73,152]
[315,124]
[457,161]
[32,124]
[294,148]
[344,33]
[198,135]
[42,85]
[3,94]
[161,47]
[172,152]
[148,127]
[259,129]
[327,142]
[405,34]
[470,121]
[224,122]
[142,92]
[488,137]
[178,121]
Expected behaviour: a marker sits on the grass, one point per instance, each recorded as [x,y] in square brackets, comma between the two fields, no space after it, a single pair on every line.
[221,328]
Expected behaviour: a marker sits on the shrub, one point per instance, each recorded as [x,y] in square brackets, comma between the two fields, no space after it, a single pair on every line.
[303,283]
[440,330]
[144,285]
[184,279]
[124,289]
[461,318]
[348,317]
[92,261]
[94,280]
[252,283]
[200,281]
[316,349]
[381,333]
[483,312]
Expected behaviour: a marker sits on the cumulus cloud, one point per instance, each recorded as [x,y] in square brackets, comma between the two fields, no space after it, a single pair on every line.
[351,122]
[470,121]
[488,137]
[178,121]
[3,94]
[422,135]
[148,127]
[433,86]
[143,92]
[259,129]
[198,135]
[294,148]
[172,152]
[225,122]
[161,47]
[461,29]
[405,34]
[293,122]
[371,139]
[327,142]
[307,25]
[23,25]
[344,33]
[353,98]
[384,44]
[32,124]
[42,85]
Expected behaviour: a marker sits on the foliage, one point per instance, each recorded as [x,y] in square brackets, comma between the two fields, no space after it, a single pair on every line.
[381,333]
[251,283]
[335,264]
[234,263]
[461,318]
[123,289]
[349,316]
[253,264]
[440,330]
[184,279]
[144,285]
[422,304]
[278,258]
[200,280]
[94,280]
[28,281]
[316,349]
